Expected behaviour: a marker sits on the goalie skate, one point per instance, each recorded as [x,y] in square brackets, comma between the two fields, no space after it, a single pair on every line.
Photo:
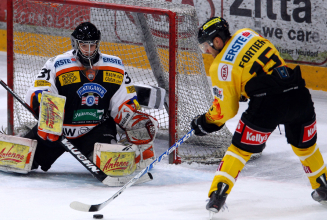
[320,194]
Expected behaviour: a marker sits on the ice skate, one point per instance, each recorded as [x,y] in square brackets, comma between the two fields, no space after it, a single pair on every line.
[217,199]
[320,194]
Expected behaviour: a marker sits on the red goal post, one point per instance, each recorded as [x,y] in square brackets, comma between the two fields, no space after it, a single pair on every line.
[171,44]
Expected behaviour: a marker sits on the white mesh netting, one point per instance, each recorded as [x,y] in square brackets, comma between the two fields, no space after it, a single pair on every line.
[141,40]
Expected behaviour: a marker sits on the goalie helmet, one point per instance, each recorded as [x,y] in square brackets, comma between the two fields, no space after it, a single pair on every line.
[213,27]
[85,41]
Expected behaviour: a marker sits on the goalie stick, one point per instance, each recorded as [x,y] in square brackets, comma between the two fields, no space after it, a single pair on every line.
[94,208]
[68,146]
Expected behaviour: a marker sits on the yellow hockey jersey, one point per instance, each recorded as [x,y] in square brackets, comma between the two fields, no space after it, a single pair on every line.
[245,55]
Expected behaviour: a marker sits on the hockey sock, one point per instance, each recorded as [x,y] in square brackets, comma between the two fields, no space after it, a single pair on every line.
[230,167]
[312,162]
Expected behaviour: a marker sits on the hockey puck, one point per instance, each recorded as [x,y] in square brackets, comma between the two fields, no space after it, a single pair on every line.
[98,216]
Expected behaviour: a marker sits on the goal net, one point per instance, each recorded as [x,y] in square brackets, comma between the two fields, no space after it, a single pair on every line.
[157,41]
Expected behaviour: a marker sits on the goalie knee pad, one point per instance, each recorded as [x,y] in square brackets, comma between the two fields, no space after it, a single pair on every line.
[16,154]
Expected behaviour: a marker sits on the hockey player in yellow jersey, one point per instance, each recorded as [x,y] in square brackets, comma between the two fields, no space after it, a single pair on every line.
[246,64]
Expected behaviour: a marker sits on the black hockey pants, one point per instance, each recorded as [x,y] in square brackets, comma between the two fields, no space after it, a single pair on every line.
[293,108]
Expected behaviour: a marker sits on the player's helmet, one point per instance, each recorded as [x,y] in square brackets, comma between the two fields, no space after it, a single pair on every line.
[213,27]
[88,35]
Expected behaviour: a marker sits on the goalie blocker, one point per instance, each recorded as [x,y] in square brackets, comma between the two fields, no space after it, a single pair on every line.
[151,97]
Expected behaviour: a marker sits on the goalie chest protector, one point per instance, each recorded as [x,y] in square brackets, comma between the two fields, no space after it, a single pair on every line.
[90,93]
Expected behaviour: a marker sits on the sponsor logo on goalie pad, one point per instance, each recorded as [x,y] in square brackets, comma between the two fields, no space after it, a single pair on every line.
[117,163]
[114,160]
[16,153]
[51,113]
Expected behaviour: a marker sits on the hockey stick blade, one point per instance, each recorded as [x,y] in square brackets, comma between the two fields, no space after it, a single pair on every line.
[94,208]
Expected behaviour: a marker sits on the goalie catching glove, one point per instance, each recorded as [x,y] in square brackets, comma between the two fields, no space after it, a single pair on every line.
[202,127]
[140,128]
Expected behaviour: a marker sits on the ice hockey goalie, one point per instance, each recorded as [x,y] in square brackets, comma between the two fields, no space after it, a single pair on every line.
[99,96]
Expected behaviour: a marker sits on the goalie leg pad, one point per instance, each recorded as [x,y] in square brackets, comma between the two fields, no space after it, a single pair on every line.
[119,161]
[144,155]
[16,154]
[114,159]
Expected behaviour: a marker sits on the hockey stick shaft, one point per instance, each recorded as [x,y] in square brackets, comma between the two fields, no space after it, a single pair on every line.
[93,208]
[89,165]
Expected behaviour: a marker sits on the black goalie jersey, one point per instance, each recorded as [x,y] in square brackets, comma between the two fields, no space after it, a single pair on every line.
[90,93]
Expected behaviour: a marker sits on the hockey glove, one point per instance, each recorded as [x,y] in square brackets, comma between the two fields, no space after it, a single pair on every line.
[201,127]
[46,136]
[141,129]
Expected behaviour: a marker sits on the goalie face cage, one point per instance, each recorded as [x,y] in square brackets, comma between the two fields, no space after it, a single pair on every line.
[156,41]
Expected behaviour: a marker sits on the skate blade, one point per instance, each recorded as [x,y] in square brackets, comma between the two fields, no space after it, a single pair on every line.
[211,214]
[323,203]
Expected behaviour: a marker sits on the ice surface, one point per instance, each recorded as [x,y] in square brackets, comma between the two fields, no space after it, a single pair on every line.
[271,187]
